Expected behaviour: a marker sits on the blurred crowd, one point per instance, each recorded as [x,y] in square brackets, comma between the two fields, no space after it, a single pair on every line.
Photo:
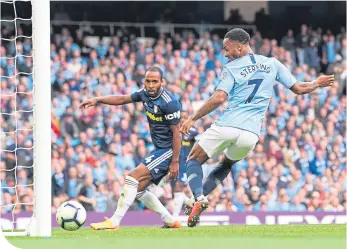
[297,165]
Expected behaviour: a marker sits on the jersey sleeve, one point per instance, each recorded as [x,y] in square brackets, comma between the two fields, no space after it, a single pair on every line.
[136,96]
[226,81]
[283,75]
[173,112]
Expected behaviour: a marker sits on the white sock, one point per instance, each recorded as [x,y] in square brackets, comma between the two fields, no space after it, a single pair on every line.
[186,199]
[179,199]
[153,203]
[201,198]
[126,199]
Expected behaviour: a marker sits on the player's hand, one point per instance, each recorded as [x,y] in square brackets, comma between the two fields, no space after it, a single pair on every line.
[186,126]
[325,80]
[88,103]
[173,170]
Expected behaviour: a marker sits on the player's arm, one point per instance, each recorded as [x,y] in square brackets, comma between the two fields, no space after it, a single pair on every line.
[285,77]
[218,98]
[113,100]
[173,116]
[221,95]
[226,83]
[176,143]
[108,100]
[307,87]
[176,148]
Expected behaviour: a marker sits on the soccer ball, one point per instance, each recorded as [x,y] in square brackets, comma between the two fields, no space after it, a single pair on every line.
[71,215]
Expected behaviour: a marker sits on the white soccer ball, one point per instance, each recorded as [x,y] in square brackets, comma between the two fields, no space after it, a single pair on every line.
[71,215]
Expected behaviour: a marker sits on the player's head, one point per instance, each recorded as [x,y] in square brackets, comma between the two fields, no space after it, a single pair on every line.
[153,81]
[235,43]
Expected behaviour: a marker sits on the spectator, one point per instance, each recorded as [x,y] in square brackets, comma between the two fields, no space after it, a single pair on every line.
[58,181]
[69,126]
[73,183]
[288,42]
[318,164]
[302,41]
[101,199]
[87,194]
[296,206]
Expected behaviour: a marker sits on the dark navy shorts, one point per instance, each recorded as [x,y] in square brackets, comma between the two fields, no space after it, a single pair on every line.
[158,163]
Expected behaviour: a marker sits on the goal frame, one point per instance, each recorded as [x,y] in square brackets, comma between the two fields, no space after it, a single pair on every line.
[40,223]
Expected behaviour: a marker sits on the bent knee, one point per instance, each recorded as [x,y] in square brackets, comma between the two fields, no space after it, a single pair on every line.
[140,173]
[134,176]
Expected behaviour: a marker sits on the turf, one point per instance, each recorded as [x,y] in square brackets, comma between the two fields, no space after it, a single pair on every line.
[238,237]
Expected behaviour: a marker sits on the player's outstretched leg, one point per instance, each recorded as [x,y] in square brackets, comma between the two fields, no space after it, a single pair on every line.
[126,199]
[218,175]
[153,203]
[194,171]
[215,178]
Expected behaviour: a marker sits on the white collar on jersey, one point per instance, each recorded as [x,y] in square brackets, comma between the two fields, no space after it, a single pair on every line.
[162,90]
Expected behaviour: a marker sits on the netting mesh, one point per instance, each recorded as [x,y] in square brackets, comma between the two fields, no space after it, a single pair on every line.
[16,110]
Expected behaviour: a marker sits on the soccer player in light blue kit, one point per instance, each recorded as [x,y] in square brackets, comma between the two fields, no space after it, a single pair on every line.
[246,82]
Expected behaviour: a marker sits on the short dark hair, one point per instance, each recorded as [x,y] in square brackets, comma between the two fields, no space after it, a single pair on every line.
[239,35]
[155,69]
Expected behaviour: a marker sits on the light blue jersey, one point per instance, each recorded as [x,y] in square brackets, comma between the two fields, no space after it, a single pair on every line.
[249,82]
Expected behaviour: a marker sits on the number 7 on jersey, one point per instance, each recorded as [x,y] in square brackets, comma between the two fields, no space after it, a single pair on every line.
[257,83]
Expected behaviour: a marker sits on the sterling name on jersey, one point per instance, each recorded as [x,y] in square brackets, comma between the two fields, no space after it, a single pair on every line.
[161,112]
[249,81]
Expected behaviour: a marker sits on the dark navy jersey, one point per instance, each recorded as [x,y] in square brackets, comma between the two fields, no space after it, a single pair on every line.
[188,142]
[161,112]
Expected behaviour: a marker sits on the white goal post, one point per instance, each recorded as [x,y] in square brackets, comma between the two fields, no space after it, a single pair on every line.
[40,223]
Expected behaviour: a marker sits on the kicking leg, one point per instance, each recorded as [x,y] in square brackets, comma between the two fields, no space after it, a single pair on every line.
[215,178]
[235,142]
[194,171]
[126,199]
[218,175]
[195,175]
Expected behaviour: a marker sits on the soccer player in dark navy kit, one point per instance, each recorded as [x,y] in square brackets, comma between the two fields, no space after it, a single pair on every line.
[163,112]
[179,185]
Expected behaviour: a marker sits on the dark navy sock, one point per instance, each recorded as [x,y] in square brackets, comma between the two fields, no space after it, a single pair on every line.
[217,176]
[195,175]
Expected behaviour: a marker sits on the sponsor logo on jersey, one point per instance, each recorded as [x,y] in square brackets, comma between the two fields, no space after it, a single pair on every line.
[153,117]
[155,108]
[173,115]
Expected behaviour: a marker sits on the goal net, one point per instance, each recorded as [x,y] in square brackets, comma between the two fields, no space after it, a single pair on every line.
[25,121]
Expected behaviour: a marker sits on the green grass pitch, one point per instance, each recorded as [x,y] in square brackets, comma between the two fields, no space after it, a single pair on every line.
[233,237]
